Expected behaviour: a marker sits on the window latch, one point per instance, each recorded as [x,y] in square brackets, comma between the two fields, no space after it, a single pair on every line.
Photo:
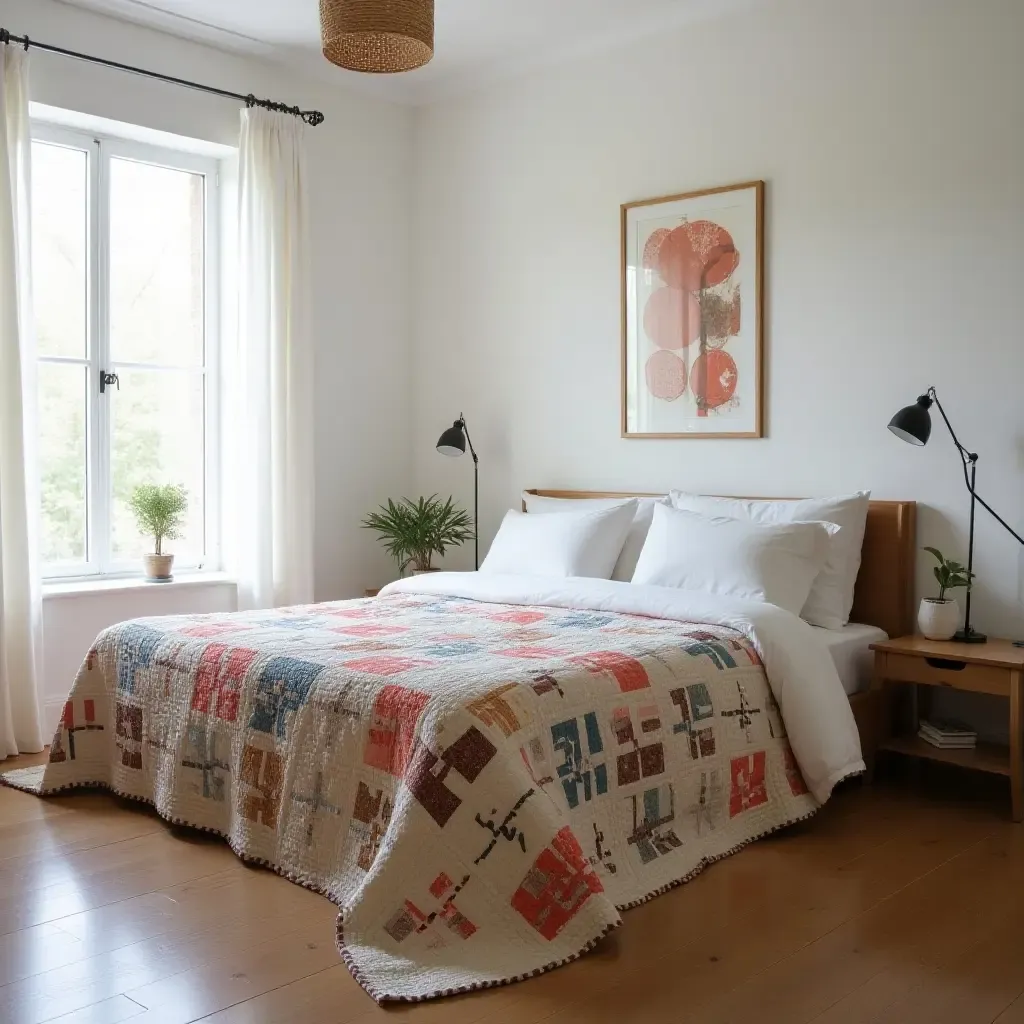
[106,379]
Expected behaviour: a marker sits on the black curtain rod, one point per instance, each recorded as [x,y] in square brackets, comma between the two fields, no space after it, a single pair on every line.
[311,117]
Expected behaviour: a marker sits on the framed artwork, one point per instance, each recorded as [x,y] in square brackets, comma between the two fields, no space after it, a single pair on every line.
[692,277]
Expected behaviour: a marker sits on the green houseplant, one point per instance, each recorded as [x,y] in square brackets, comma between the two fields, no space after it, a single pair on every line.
[412,532]
[160,512]
[939,617]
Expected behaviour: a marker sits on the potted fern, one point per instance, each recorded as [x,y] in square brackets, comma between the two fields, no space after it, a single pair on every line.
[939,617]
[159,512]
[412,532]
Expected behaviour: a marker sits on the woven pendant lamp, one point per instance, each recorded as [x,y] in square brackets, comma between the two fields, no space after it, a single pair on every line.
[377,36]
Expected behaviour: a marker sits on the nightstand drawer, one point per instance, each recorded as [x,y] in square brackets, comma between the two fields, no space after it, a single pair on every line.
[956,674]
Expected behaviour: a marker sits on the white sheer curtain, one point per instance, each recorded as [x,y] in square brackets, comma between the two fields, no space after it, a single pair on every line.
[21,621]
[269,478]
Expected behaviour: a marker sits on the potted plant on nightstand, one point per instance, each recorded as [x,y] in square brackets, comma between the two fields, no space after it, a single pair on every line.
[412,532]
[939,617]
[159,512]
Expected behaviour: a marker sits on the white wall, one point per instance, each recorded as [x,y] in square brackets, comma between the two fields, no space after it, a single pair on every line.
[890,137]
[359,163]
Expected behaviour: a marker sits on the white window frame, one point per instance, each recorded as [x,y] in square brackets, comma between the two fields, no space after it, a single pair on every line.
[100,148]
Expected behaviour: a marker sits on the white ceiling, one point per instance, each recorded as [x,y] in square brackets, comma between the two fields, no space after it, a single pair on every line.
[475,40]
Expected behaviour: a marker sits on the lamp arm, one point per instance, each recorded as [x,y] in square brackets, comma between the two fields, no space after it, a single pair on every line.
[967,456]
[970,458]
[476,493]
[469,440]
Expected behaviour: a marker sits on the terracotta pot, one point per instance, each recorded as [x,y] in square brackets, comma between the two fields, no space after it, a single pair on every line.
[158,567]
[938,620]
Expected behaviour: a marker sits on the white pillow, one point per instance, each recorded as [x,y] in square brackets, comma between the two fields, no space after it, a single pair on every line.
[624,567]
[733,557]
[831,598]
[573,544]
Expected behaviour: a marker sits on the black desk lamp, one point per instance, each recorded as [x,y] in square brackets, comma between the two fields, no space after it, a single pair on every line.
[914,425]
[453,444]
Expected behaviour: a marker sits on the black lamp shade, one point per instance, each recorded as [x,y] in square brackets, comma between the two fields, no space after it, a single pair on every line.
[453,441]
[914,423]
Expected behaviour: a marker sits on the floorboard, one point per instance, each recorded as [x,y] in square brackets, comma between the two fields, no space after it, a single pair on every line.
[897,903]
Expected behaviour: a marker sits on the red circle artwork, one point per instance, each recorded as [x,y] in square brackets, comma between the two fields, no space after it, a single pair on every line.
[651,247]
[713,377]
[672,318]
[666,375]
[695,255]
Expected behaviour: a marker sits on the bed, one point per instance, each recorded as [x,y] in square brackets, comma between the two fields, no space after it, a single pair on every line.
[883,600]
[852,655]
[482,772]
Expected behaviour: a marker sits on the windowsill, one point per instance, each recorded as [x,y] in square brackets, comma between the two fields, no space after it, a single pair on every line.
[110,585]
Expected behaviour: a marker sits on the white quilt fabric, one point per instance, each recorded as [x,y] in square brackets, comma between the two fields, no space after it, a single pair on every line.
[800,670]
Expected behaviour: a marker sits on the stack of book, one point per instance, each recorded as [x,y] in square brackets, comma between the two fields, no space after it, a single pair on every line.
[941,732]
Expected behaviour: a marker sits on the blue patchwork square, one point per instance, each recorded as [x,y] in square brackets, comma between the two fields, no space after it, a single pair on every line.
[136,646]
[282,689]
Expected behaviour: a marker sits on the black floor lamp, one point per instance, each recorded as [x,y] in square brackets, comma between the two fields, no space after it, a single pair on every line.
[914,425]
[453,444]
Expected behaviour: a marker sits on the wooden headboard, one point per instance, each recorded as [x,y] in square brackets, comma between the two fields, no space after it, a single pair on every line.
[884,595]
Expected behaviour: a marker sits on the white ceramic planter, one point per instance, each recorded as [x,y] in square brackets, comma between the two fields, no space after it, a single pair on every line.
[938,620]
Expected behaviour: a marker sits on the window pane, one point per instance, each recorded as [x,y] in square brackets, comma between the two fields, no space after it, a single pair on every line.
[62,459]
[156,264]
[157,428]
[59,216]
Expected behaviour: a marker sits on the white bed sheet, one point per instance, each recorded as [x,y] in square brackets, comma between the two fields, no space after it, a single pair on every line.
[851,652]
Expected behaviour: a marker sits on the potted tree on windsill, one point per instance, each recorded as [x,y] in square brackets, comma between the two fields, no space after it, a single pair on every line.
[412,532]
[159,512]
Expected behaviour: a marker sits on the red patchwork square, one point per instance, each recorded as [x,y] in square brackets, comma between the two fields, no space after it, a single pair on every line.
[219,679]
[556,887]
[393,728]
[530,653]
[385,665]
[748,787]
[628,672]
[519,617]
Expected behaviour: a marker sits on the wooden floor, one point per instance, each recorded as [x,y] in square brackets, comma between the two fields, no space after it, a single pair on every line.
[897,903]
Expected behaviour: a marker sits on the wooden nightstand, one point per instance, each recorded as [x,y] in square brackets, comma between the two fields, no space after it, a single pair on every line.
[372,593]
[996,667]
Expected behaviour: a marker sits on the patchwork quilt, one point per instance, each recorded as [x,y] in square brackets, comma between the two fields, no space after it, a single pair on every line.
[479,786]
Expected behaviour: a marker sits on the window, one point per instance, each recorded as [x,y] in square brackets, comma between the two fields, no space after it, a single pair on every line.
[124,263]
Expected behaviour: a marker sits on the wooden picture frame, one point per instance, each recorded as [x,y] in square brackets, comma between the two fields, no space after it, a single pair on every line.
[693,314]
